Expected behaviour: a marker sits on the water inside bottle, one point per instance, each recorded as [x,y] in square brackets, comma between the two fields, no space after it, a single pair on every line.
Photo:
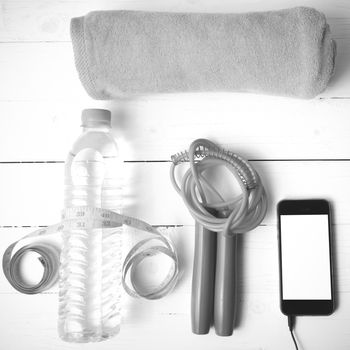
[90,273]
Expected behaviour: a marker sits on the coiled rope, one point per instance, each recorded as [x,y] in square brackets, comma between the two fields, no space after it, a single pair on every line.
[240,214]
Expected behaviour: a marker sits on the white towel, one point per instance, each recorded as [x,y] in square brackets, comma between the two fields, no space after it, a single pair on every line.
[124,53]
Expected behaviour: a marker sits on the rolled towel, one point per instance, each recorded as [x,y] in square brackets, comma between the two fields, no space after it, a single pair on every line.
[124,53]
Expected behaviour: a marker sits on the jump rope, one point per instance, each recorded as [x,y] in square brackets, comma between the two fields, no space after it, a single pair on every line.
[217,224]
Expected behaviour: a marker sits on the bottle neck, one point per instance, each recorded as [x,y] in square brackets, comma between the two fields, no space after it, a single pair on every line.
[101,128]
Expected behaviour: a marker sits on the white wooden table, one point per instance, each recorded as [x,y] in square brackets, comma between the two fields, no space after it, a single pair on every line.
[300,148]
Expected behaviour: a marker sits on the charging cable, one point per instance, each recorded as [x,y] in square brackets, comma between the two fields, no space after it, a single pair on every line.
[291,322]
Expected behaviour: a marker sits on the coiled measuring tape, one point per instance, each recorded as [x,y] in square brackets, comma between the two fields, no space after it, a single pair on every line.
[92,218]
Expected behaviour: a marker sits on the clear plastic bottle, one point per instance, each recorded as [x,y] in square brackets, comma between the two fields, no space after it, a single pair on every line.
[90,269]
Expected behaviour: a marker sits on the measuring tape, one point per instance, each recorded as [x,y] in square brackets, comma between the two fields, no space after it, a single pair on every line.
[82,218]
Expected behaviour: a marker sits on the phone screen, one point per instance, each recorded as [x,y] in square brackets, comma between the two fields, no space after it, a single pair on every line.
[305,257]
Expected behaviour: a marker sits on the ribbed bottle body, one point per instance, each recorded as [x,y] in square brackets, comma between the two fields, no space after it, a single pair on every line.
[90,267]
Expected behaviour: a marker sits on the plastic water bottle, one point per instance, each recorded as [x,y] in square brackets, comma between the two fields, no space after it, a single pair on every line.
[90,268]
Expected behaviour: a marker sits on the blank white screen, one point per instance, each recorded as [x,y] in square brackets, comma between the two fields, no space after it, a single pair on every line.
[305,257]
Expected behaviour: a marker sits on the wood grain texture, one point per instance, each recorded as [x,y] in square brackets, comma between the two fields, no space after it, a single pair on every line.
[32,193]
[257,127]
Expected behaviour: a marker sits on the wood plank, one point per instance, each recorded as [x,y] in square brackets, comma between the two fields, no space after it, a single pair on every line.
[32,324]
[154,129]
[42,20]
[39,71]
[32,194]
[169,318]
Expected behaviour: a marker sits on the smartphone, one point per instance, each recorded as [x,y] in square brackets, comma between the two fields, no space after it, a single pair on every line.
[305,257]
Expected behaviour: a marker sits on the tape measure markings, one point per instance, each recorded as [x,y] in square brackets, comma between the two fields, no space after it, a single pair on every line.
[91,218]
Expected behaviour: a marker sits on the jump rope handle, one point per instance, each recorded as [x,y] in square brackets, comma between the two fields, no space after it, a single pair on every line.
[213,282]
[225,285]
[203,280]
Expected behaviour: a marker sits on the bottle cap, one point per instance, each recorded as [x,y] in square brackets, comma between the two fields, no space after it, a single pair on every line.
[95,118]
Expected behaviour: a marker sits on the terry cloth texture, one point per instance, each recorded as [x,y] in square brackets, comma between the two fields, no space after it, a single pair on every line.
[124,53]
